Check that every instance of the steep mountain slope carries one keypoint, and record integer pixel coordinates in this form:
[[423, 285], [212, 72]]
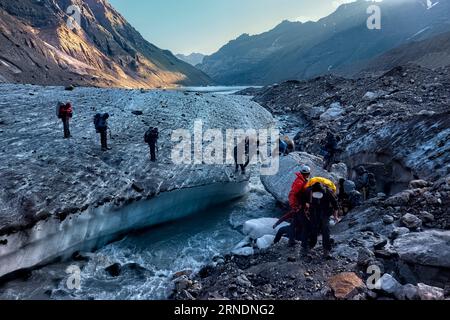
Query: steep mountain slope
[[295, 50], [193, 58], [36, 46], [431, 53]]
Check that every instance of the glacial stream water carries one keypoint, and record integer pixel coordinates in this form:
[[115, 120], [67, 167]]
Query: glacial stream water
[[151, 257]]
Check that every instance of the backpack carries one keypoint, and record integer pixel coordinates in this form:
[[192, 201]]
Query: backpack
[[100, 122], [325, 182], [151, 135], [59, 108], [64, 110]]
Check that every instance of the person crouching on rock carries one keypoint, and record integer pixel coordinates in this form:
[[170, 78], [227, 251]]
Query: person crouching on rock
[[65, 113], [294, 231], [101, 126], [320, 204], [151, 138]]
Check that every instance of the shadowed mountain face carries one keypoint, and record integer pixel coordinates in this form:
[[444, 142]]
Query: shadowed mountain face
[[295, 50], [36, 46], [430, 53]]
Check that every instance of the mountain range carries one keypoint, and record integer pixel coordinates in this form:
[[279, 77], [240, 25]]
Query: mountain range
[[193, 58], [38, 46], [338, 43]]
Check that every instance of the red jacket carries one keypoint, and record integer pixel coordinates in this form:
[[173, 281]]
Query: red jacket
[[298, 187]]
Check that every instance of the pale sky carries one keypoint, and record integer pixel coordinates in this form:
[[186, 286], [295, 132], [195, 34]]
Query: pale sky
[[186, 26]]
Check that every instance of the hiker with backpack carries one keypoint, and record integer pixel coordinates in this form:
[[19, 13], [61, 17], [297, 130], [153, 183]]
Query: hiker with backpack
[[294, 231], [366, 183], [151, 138], [65, 113], [320, 204], [101, 126], [330, 148]]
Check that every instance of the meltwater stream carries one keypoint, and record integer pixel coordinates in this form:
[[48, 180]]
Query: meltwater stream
[[150, 258]]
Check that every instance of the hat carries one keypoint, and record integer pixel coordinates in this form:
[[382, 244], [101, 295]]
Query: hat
[[305, 170]]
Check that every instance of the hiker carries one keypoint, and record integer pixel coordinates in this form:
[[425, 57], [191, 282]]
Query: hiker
[[283, 148], [372, 188], [320, 204], [101, 126], [330, 148], [151, 138], [348, 197], [65, 113], [366, 183], [295, 204], [244, 160]]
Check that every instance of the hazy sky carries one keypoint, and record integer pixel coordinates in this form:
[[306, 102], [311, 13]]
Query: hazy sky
[[185, 26]]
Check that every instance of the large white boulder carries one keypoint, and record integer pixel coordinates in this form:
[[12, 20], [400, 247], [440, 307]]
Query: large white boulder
[[245, 252], [279, 185], [265, 242], [258, 228]]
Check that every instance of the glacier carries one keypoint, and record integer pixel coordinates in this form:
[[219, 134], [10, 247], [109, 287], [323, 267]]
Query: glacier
[[61, 196]]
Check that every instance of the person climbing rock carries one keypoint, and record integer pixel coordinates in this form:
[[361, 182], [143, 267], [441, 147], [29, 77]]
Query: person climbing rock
[[101, 126], [286, 146], [295, 204], [348, 197], [242, 160], [283, 148], [320, 204], [65, 113], [330, 147], [151, 138]]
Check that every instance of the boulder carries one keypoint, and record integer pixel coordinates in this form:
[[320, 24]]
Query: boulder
[[419, 184], [400, 199], [426, 292], [265, 242], [427, 217], [346, 285], [428, 248], [387, 219], [245, 252], [279, 185], [407, 292], [182, 283], [258, 228], [340, 170], [247, 241], [411, 221], [371, 96], [335, 111], [365, 257], [388, 284], [399, 232]]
